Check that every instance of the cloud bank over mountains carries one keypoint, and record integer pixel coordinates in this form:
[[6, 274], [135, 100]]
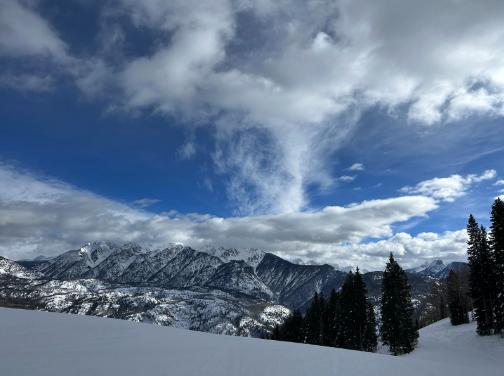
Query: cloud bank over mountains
[[39, 215]]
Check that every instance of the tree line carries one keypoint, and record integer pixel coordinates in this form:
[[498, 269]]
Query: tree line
[[449, 297], [346, 319], [486, 278]]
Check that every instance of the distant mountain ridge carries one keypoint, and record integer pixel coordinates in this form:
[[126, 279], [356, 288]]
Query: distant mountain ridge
[[345, 269], [250, 272], [437, 268]]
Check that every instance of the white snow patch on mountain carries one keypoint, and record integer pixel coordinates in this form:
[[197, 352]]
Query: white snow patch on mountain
[[8, 267], [55, 344], [251, 256]]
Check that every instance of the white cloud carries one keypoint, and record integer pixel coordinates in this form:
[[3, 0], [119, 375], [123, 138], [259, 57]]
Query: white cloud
[[410, 251], [301, 79], [24, 33], [25, 82], [356, 167], [146, 202], [448, 189], [39, 215], [187, 151], [499, 182], [347, 178]]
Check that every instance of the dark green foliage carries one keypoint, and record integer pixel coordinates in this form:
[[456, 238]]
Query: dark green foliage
[[397, 330], [343, 320], [481, 278], [370, 341], [457, 302], [497, 245], [312, 321], [292, 329], [352, 313], [330, 319], [276, 333]]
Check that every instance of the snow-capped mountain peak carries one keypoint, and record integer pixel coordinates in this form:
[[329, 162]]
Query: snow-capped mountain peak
[[251, 256], [428, 268]]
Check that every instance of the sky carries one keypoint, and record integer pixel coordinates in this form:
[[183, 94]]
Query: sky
[[334, 131]]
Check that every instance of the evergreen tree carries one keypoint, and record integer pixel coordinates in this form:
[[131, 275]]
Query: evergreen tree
[[481, 278], [370, 336], [397, 330], [297, 334], [351, 314], [276, 333], [497, 244], [312, 321], [456, 300], [331, 319], [344, 337]]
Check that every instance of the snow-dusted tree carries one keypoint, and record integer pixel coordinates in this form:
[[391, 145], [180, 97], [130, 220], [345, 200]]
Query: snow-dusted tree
[[497, 245], [397, 330]]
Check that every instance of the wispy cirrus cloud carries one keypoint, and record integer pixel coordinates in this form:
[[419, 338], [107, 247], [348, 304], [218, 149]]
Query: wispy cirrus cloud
[[144, 202]]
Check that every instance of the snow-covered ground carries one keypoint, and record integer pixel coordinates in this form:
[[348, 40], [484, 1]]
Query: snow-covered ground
[[42, 343]]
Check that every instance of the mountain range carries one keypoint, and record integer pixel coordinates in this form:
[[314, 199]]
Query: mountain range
[[232, 291]]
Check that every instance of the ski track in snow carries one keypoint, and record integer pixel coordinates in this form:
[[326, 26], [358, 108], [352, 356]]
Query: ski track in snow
[[43, 343]]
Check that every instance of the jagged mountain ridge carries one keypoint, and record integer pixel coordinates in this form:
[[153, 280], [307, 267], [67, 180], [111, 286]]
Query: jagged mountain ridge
[[247, 271], [437, 268]]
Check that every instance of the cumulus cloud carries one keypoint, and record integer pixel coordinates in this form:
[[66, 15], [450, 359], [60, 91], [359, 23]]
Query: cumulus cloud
[[300, 78], [499, 182], [356, 167], [410, 251], [39, 215], [448, 189]]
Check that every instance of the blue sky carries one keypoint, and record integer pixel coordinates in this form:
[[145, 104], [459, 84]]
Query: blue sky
[[237, 123]]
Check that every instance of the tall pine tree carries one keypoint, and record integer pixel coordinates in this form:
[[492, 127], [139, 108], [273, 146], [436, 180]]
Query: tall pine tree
[[370, 336], [312, 321], [331, 319], [351, 314], [481, 278], [497, 245], [397, 330], [456, 300]]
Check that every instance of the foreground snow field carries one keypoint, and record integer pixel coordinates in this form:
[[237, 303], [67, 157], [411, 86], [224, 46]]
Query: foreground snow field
[[42, 343]]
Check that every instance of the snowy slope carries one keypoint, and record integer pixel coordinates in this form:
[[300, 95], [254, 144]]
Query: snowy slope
[[40, 343], [444, 343], [9, 268]]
